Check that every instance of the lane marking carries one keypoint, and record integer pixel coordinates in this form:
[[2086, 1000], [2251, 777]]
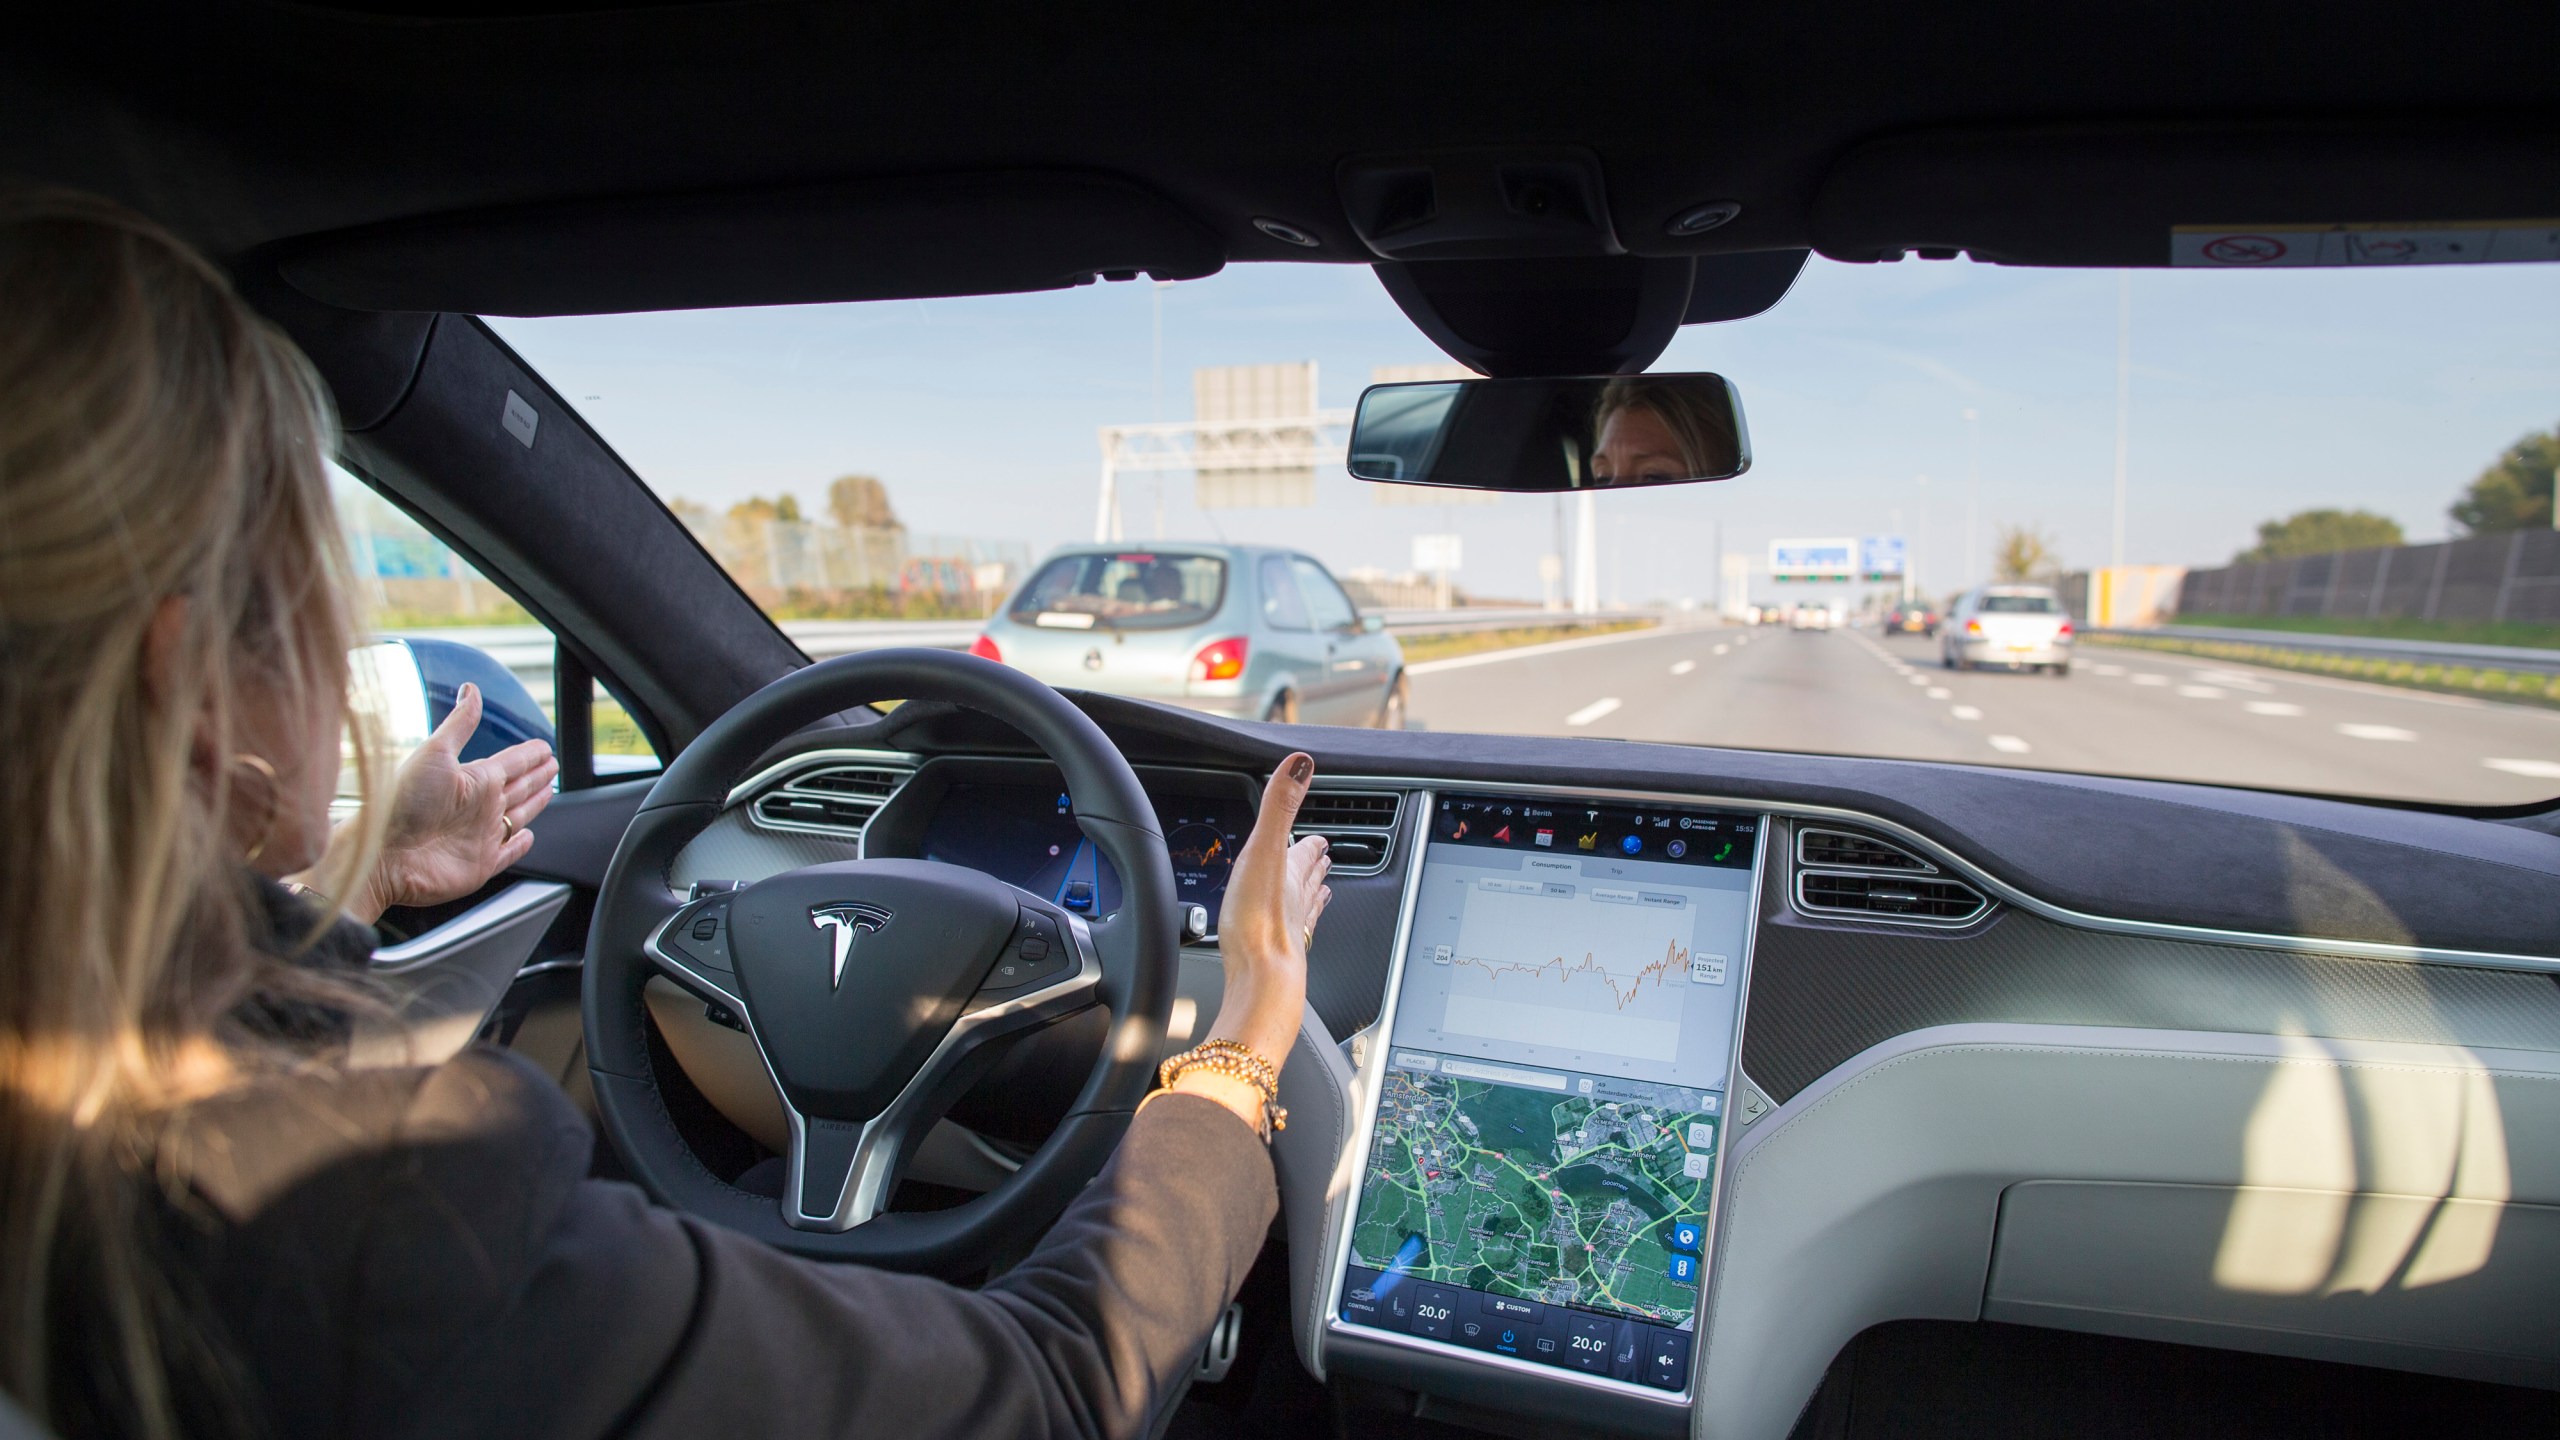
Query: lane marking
[[2234, 680], [2009, 745], [1606, 704], [1966, 712], [2537, 769], [1917, 679], [2106, 669], [2147, 678], [1685, 666], [1722, 648], [1939, 692], [2354, 731], [1551, 647], [2199, 692], [2272, 707]]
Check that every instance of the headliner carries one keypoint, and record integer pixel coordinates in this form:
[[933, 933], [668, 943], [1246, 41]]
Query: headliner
[[390, 161]]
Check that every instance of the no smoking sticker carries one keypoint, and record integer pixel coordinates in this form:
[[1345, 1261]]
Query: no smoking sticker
[[2227, 247]]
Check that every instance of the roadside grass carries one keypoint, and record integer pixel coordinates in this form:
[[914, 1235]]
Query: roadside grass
[[2450, 632], [1421, 648], [2484, 683]]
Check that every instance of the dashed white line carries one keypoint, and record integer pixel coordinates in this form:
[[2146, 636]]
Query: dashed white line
[[1966, 712], [2536, 769], [1917, 679], [2272, 707], [2199, 692], [1723, 648], [1939, 692], [2009, 744], [2147, 678], [1605, 705], [2355, 731], [1685, 666], [2106, 669]]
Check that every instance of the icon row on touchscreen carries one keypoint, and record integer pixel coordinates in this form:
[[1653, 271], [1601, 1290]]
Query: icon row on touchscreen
[[1594, 1344]]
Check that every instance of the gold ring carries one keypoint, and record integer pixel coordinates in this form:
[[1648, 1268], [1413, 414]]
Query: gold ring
[[506, 829]]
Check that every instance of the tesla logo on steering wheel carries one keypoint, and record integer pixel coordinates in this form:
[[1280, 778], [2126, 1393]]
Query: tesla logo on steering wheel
[[847, 921]]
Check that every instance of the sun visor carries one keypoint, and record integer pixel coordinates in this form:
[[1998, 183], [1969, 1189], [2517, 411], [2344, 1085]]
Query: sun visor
[[913, 237], [2160, 196]]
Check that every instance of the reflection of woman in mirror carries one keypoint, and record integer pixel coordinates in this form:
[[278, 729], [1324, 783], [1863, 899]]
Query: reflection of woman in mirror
[[1654, 430]]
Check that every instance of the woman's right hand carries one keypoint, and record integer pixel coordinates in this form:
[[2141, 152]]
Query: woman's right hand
[[1274, 896]]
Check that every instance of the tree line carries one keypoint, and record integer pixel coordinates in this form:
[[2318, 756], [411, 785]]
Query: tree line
[[2513, 493]]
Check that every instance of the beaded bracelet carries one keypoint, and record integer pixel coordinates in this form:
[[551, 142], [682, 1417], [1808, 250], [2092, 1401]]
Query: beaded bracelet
[[1235, 1060]]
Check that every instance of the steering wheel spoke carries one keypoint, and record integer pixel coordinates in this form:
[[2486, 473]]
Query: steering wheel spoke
[[691, 947]]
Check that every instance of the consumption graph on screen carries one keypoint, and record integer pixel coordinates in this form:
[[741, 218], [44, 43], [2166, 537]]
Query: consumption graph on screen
[[1584, 967]]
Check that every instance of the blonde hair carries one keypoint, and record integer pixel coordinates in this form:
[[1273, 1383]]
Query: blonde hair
[[158, 442]]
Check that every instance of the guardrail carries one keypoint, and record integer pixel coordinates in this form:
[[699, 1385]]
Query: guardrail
[[526, 649], [2512, 659]]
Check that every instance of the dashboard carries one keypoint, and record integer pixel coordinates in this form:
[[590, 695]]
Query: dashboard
[[1627, 1103]]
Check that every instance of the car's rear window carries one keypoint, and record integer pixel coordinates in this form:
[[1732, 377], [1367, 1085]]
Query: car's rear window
[[1130, 589], [2020, 605]]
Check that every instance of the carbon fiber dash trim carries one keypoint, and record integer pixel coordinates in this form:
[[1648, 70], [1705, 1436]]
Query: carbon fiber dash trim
[[1820, 993]]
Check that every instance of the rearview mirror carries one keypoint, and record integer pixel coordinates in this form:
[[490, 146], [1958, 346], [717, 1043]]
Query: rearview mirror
[[1600, 432]]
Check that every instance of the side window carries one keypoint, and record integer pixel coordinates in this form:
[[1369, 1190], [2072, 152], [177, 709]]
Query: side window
[[1326, 604], [436, 622], [1282, 606]]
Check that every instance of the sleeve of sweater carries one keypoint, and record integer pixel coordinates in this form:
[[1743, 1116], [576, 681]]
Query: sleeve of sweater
[[1081, 1339]]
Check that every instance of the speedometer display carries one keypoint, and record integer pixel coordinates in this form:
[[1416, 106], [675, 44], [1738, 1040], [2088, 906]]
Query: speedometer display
[[1027, 835]]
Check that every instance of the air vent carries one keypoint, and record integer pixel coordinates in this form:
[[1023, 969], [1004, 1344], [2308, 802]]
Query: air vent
[[836, 800], [1841, 850], [1360, 825], [1889, 897]]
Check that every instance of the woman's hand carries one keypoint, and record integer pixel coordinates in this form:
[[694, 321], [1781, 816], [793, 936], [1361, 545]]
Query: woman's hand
[[1274, 896], [454, 825]]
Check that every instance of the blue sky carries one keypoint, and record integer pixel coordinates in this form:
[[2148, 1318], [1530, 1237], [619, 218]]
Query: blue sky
[[2254, 394]]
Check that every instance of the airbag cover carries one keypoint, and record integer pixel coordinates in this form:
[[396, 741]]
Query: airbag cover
[[918, 937]]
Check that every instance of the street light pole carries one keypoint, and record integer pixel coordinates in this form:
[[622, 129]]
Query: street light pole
[[1972, 495]]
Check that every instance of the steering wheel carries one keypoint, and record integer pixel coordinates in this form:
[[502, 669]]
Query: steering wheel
[[871, 986]]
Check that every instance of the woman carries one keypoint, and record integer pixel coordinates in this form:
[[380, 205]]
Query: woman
[[1660, 430], [211, 1224]]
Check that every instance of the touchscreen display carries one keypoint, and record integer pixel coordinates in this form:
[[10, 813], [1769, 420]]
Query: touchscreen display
[[1548, 1130]]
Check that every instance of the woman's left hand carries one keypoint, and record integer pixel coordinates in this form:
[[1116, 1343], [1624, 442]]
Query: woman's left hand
[[456, 824]]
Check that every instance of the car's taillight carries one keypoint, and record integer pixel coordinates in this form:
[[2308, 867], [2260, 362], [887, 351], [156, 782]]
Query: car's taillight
[[984, 647], [1219, 660], [1973, 627], [2065, 631]]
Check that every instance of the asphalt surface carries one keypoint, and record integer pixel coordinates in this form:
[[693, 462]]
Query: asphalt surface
[[2119, 712]]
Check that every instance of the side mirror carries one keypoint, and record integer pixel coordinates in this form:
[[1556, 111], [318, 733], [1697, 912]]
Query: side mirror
[[1373, 624], [410, 685], [1605, 432]]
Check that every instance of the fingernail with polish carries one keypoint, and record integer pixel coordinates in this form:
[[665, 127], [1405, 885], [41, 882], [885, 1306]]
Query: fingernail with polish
[[1301, 769]]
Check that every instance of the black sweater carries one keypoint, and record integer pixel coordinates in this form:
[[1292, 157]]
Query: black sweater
[[421, 1253]]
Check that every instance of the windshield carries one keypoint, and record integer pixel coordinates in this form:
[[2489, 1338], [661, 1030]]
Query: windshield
[[2281, 510], [1130, 590]]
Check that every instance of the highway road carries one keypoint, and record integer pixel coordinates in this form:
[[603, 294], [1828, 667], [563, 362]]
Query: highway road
[[2120, 712]]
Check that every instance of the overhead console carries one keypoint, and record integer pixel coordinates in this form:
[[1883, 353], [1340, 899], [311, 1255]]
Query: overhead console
[[1541, 1128]]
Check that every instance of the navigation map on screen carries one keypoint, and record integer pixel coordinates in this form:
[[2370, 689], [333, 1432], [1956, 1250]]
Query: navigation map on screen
[[1545, 1145]]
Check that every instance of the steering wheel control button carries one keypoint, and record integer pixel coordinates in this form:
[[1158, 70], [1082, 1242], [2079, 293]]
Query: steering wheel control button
[[698, 936]]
